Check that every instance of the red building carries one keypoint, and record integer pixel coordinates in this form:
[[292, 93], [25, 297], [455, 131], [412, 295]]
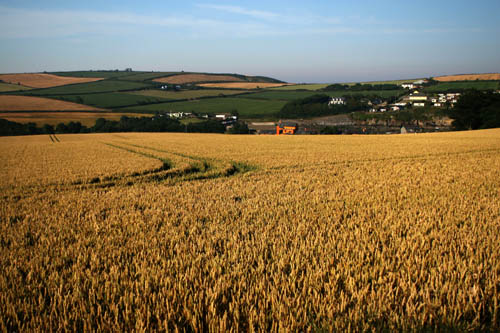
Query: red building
[[286, 128]]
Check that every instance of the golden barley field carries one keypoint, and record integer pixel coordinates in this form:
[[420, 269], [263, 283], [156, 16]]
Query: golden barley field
[[200, 232]]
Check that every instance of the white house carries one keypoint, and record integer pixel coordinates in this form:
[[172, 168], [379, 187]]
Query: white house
[[407, 85], [336, 101], [420, 104], [225, 116]]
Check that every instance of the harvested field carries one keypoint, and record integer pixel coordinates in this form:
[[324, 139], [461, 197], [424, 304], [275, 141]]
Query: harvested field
[[44, 80], [190, 78], [468, 77], [28, 103], [242, 85], [54, 118]]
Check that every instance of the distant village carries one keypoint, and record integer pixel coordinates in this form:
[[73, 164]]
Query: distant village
[[417, 99], [344, 123]]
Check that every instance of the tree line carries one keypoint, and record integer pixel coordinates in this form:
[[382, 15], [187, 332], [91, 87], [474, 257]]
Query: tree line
[[125, 124]]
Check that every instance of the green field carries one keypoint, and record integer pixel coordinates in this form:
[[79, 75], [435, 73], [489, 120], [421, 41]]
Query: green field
[[103, 74], [291, 95], [459, 85], [385, 82], [187, 94], [303, 87], [147, 76], [5, 87], [247, 108], [110, 100], [87, 88]]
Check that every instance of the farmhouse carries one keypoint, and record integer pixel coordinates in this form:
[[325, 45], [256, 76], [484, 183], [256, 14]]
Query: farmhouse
[[336, 101], [286, 128], [408, 85], [225, 116], [420, 104]]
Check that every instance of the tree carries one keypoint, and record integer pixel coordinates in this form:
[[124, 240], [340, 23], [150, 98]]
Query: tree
[[61, 128], [74, 127], [239, 128], [476, 109], [48, 129]]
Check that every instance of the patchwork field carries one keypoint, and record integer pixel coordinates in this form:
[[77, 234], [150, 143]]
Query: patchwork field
[[110, 74], [242, 85], [43, 80], [111, 100], [247, 108], [91, 87], [287, 95], [468, 77], [457, 86], [53, 118], [146, 76], [28, 103], [5, 87], [312, 86], [188, 94], [193, 78], [183, 232], [317, 86]]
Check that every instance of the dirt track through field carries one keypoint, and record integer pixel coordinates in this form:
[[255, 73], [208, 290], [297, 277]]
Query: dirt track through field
[[44, 80], [28, 103], [468, 77]]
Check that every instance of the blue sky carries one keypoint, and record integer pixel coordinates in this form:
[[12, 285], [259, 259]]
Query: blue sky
[[296, 41]]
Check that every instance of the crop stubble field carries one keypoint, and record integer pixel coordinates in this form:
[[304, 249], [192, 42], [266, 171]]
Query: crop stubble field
[[35, 80], [215, 232], [468, 77], [28, 103]]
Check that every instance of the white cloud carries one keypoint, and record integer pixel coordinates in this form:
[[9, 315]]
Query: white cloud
[[26, 23], [35, 23], [259, 14]]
